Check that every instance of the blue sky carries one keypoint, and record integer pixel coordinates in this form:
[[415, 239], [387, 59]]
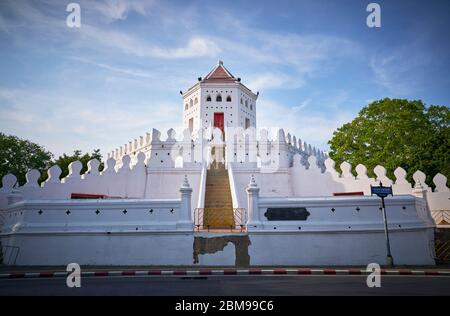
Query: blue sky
[[315, 64]]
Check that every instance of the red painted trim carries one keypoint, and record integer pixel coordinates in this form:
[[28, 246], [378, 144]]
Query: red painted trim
[[348, 193], [229, 271], [180, 272], [432, 273], [101, 273], [205, 271], [16, 275], [86, 196], [154, 272], [128, 272]]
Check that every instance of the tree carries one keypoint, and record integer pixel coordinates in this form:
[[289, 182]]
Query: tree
[[64, 161], [17, 156], [396, 133]]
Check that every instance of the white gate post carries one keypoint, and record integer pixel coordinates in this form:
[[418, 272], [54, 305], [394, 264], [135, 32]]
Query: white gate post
[[254, 222], [185, 221]]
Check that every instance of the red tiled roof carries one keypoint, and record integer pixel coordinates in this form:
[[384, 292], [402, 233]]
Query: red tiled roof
[[219, 74]]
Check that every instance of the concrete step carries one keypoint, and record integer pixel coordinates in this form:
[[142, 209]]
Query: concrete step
[[220, 186], [212, 187], [211, 192], [218, 211]]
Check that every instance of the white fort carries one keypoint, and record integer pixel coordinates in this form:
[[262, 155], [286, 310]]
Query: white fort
[[219, 100], [221, 193]]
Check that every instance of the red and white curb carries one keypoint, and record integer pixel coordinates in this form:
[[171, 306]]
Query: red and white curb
[[231, 271]]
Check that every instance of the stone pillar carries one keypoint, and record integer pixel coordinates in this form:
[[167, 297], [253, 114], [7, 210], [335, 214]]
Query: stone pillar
[[185, 220], [254, 221]]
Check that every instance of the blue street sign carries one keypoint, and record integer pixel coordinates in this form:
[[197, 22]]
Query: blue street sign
[[381, 191]]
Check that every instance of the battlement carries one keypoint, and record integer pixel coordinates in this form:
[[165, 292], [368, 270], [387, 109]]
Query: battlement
[[243, 147]]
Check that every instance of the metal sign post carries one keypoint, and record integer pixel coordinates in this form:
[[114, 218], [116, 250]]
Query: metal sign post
[[383, 192]]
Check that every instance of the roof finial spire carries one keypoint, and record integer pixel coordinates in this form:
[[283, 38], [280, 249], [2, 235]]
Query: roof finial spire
[[220, 62]]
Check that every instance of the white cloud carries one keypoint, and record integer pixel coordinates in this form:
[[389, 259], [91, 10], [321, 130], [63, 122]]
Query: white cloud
[[195, 47], [315, 129], [301, 106], [113, 10], [64, 123], [399, 71], [276, 60], [269, 80], [301, 54], [30, 19], [119, 70]]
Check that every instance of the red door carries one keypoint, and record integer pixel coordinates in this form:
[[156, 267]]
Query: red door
[[218, 121]]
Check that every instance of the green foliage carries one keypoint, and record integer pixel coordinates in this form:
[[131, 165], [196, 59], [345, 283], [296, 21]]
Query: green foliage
[[64, 161], [396, 133], [17, 156]]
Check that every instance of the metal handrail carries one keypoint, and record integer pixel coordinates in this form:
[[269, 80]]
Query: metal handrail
[[239, 219], [198, 217]]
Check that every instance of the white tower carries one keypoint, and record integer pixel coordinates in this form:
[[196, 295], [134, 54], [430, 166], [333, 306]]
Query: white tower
[[219, 100]]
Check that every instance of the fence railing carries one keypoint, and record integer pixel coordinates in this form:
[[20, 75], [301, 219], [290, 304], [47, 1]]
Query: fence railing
[[207, 219], [442, 249], [9, 254], [240, 218]]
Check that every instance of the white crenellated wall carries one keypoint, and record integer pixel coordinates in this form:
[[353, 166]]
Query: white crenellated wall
[[103, 231], [312, 182], [244, 148], [339, 230], [283, 165]]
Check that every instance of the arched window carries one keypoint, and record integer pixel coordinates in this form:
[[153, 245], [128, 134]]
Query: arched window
[[195, 101], [242, 101], [208, 98], [219, 98], [228, 98], [251, 107], [246, 103], [186, 106], [191, 103]]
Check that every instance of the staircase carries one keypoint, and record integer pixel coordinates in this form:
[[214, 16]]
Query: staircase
[[218, 210]]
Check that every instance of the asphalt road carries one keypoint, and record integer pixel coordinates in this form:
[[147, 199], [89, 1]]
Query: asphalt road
[[231, 285]]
